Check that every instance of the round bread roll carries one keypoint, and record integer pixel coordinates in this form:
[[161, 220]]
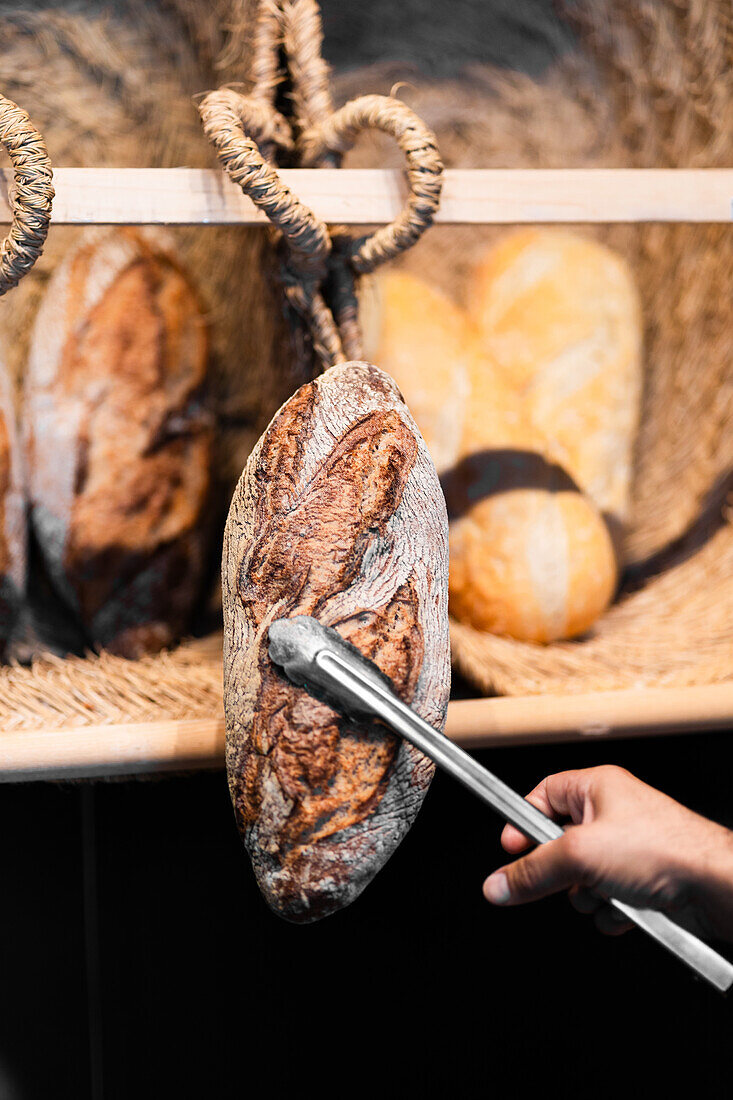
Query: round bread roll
[[530, 555], [559, 316]]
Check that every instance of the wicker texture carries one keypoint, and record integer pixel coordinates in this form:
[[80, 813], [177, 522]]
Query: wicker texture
[[639, 83], [30, 197], [102, 689]]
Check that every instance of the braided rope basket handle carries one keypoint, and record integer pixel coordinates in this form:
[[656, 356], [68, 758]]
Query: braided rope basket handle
[[246, 132], [237, 125], [30, 196], [240, 127], [338, 133]]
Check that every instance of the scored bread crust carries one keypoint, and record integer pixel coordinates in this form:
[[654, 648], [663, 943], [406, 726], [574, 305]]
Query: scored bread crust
[[338, 515]]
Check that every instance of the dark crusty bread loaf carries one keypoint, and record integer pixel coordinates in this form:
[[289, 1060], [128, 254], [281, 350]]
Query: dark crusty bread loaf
[[118, 440], [13, 535], [338, 515]]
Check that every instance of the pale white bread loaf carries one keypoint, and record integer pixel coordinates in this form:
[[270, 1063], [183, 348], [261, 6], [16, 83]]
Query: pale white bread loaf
[[420, 337], [559, 316]]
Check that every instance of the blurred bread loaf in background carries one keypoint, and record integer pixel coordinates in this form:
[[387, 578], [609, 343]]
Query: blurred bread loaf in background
[[559, 316], [530, 555], [413, 331], [119, 441]]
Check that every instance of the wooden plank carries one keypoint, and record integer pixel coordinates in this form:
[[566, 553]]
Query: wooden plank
[[602, 715], [587, 195], [95, 751], [76, 752], [192, 196]]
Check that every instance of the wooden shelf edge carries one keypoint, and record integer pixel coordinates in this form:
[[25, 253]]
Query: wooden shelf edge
[[602, 715], [371, 196], [148, 748], [89, 752]]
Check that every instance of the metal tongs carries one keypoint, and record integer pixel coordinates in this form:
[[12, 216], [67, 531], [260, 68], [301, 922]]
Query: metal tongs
[[316, 657]]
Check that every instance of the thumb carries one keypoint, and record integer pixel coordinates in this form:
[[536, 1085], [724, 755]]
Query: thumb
[[546, 870]]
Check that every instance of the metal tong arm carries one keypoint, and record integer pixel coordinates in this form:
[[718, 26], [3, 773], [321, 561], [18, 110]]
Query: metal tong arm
[[347, 679]]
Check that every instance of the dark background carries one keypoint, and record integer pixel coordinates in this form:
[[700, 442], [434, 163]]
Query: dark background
[[137, 952]]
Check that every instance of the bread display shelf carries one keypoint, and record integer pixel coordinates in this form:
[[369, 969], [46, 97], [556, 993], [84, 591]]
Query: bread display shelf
[[96, 751], [192, 196], [33, 748]]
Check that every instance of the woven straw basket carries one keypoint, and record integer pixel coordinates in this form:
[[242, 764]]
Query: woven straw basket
[[622, 83]]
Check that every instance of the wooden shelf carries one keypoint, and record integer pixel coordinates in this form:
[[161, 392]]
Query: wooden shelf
[[189, 196], [74, 752], [186, 196]]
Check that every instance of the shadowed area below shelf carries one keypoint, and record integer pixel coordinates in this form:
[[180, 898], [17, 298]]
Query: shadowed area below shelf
[[188, 960]]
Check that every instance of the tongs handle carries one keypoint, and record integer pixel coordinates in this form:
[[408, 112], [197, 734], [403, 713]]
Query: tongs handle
[[351, 686]]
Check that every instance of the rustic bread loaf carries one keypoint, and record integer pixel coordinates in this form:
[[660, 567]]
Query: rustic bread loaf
[[13, 538], [559, 316], [338, 515], [530, 556], [119, 441]]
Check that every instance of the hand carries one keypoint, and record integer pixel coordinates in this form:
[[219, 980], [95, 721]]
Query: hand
[[627, 841]]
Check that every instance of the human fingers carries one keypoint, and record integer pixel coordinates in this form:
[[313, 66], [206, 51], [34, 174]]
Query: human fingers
[[607, 919], [557, 796], [512, 839], [610, 922], [548, 869], [584, 900]]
